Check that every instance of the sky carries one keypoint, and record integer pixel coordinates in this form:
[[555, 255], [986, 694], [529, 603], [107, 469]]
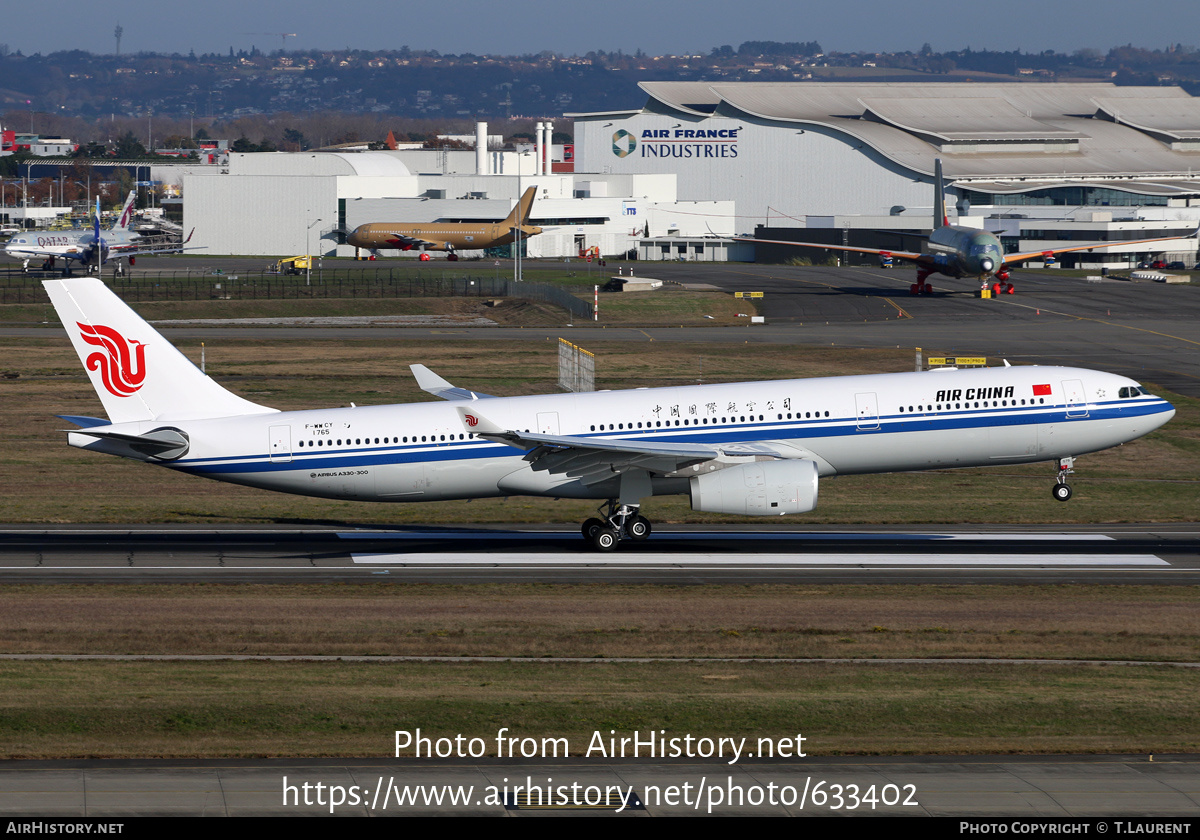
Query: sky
[[571, 27]]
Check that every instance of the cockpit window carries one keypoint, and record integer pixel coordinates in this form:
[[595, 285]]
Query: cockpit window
[[1134, 391]]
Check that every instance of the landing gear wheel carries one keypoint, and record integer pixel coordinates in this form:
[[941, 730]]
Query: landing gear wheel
[[1062, 492], [638, 527], [604, 538], [927, 289], [914, 289], [590, 526]]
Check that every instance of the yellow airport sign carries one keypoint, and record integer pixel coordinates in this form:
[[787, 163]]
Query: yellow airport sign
[[958, 361], [747, 294]]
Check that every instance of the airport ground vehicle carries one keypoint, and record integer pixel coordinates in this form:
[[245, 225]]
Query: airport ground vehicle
[[294, 265]]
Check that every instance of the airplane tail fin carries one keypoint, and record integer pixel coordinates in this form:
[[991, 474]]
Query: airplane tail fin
[[126, 218], [137, 373], [940, 219], [520, 213]]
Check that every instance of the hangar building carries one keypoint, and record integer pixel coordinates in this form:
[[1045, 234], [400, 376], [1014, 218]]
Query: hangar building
[[1054, 161], [280, 204]]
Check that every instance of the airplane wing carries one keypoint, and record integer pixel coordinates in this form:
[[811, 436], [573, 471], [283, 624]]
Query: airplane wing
[[431, 383], [1013, 259], [594, 459], [910, 256], [405, 242], [133, 249]]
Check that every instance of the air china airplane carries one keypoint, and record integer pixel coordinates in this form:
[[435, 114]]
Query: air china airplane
[[751, 448]]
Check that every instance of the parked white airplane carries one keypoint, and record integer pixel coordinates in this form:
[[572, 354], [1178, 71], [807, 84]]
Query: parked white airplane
[[958, 251], [752, 448], [91, 249]]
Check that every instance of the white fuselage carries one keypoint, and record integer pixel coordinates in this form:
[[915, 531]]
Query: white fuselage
[[67, 245], [852, 424]]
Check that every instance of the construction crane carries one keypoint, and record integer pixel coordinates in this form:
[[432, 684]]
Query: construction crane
[[283, 36]]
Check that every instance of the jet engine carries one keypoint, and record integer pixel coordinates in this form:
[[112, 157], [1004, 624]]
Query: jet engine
[[92, 250], [763, 488]]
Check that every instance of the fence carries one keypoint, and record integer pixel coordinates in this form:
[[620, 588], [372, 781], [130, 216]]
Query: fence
[[368, 283]]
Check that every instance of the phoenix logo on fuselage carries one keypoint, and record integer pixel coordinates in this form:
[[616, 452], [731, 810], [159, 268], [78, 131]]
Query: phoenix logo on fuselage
[[122, 365]]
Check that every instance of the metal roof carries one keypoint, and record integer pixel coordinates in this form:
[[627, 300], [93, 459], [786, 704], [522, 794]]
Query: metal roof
[[979, 130], [1164, 188], [963, 118], [1174, 116]]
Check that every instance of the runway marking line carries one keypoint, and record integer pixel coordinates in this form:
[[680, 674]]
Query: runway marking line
[[766, 560], [866, 536]]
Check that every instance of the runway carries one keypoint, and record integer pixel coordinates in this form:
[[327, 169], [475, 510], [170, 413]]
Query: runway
[[672, 555], [1026, 794]]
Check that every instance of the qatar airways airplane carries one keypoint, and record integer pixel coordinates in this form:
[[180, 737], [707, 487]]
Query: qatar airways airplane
[[750, 448], [92, 249]]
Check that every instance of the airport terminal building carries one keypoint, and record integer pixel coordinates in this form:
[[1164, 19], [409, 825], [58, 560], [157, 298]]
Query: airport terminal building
[[1043, 163]]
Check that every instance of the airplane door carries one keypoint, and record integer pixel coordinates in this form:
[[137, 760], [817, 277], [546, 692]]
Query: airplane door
[[547, 422], [1075, 398], [280, 443], [868, 411]]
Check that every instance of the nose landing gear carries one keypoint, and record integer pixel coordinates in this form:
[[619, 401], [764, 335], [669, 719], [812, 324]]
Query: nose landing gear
[[1002, 286], [1062, 490]]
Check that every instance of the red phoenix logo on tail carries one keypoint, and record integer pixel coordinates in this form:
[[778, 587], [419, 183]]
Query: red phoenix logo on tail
[[471, 419], [122, 365]]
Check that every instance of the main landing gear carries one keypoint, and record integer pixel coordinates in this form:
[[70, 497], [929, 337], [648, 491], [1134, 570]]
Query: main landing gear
[[921, 287], [619, 522], [1062, 490]]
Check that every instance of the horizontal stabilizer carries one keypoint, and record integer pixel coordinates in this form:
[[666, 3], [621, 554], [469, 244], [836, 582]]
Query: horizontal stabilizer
[[83, 422], [160, 444], [431, 383]]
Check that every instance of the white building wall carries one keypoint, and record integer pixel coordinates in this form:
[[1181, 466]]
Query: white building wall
[[261, 214], [774, 173]]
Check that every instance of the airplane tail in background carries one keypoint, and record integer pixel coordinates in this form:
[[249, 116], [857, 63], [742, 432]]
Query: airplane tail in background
[[125, 220], [137, 373], [940, 219], [520, 213]]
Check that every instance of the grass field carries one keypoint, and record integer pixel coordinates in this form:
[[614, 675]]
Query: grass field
[[54, 709], [229, 709]]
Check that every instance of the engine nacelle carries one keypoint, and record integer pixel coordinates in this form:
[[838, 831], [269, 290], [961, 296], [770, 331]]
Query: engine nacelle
[[763, 488]]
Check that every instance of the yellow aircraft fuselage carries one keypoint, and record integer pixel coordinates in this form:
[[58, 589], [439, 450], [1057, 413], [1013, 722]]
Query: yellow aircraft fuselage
[[447, 236]]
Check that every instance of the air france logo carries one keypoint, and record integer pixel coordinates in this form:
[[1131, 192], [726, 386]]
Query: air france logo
[[122, 365], [623, 143]]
